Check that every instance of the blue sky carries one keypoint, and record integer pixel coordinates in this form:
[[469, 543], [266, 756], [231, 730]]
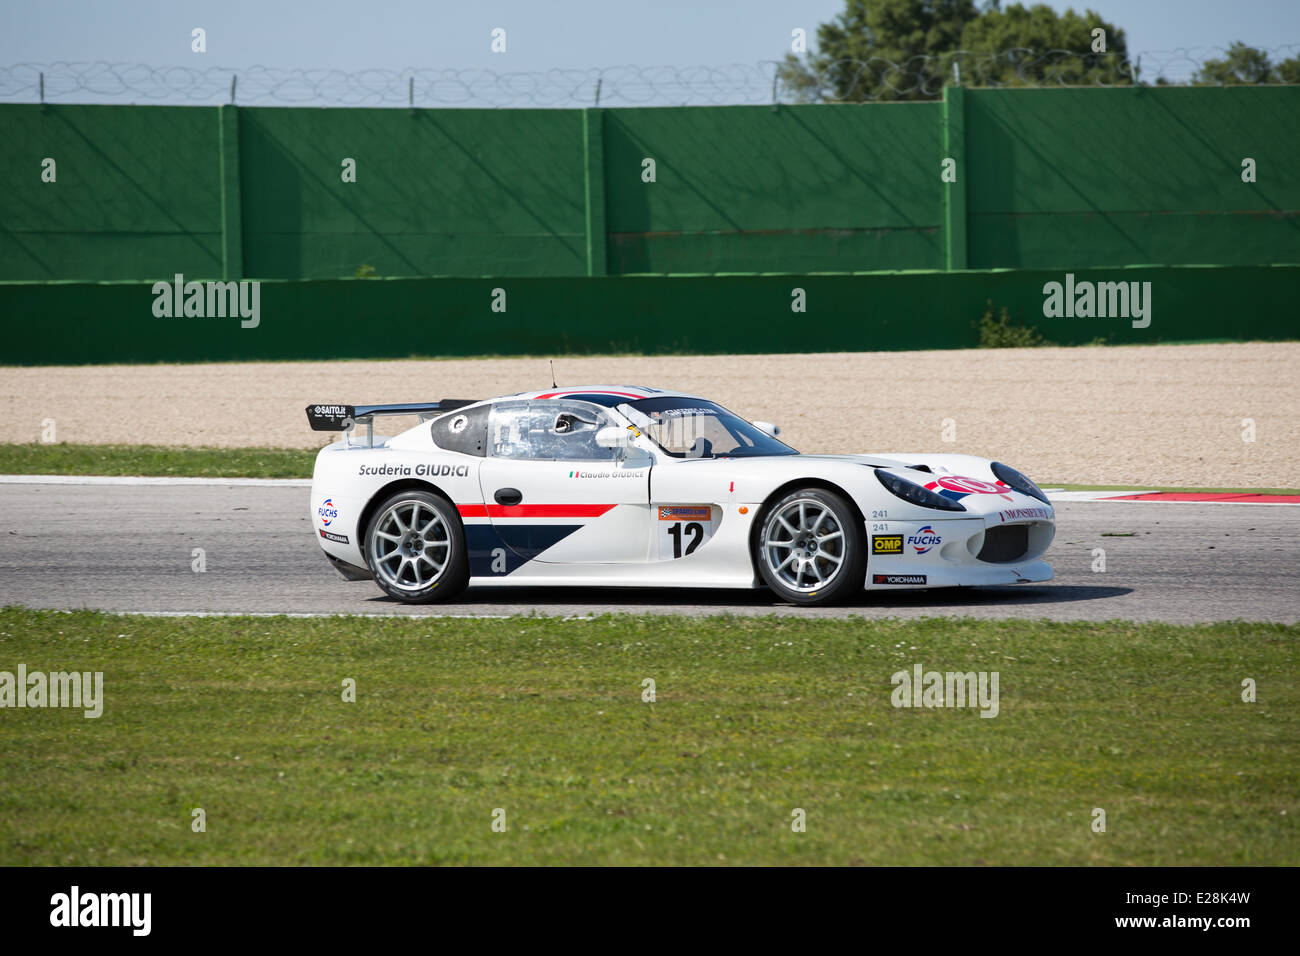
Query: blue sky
[[541, 34]]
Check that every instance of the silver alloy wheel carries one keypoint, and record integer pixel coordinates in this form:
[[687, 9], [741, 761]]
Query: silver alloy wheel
[[804, 547], [409, 552]]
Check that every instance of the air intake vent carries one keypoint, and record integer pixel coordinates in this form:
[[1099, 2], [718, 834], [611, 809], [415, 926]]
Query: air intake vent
[[1007, 543]]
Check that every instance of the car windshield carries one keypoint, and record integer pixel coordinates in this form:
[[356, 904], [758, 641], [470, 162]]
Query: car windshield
[[695, 428]]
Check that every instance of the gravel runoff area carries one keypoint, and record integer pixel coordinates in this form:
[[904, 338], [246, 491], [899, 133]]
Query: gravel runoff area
[[1159, 414]]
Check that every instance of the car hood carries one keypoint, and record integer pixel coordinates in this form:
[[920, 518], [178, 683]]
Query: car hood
[[965, 478]]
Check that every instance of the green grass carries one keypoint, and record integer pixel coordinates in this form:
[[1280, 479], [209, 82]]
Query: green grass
[[544, 718], [1239, 491], [156, 460]]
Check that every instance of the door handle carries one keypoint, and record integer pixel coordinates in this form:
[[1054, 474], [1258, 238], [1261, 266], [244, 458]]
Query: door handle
[[508, 496]]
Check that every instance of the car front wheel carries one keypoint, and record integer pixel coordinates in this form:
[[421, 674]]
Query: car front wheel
[[415, 547], [811, 549]]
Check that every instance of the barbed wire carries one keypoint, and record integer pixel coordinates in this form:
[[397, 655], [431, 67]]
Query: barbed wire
[[770, 81]]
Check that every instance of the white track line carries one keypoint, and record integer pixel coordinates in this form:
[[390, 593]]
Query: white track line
[[1092, 495], [129, 480], [310, 614], [1112, 495], [306, 483]]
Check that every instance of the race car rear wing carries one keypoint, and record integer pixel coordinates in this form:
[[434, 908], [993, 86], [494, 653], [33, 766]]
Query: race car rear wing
[[343, 418]]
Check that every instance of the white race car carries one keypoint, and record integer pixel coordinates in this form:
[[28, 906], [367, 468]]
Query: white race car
[[627, 486]]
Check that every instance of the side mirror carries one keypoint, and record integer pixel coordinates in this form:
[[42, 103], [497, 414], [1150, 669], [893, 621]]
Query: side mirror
[[768, 428], [611, 436]]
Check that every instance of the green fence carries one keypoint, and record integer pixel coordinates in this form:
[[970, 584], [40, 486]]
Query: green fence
[[1131, 176], [73, 322], [1055, 179]]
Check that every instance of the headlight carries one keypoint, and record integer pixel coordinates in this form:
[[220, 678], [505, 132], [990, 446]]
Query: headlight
[[917, 495], [1017, 481]]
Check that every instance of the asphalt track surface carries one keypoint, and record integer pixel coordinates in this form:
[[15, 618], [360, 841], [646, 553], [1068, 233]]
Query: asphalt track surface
[[128, 548]]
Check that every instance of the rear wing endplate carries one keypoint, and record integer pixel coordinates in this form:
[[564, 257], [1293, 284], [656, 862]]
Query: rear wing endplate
[[343, 418]]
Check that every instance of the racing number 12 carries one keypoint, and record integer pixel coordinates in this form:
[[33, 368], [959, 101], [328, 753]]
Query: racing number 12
[[694, 529]]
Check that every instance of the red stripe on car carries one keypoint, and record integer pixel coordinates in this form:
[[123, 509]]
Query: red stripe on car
[[588, 391], [532, 511]]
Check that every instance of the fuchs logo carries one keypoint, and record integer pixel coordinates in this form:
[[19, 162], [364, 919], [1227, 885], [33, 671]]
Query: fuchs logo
[[924, 540], [957, 487], [327, 512], [212, 300]]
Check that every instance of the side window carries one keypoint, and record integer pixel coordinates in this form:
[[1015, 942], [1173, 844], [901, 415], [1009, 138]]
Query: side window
[[571, 432], [549, 431], [513, 430]]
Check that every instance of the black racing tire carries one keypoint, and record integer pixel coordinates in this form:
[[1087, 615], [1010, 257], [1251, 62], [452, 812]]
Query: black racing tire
[[811, 548], [415, 547]]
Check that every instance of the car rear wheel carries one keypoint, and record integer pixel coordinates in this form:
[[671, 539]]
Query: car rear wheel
[[811, 548], [415, 548]]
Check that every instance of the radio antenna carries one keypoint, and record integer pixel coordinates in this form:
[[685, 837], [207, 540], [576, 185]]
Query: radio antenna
[[552, 361]]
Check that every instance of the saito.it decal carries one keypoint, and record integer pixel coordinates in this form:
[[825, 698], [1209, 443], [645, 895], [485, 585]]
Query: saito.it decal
[[958, 487]]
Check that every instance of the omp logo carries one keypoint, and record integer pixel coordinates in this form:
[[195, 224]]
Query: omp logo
[[1086, 300], [209, 300], [133, 910], [924, 540], [327, 512], [886, 544]]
